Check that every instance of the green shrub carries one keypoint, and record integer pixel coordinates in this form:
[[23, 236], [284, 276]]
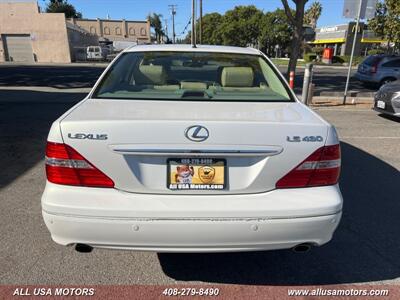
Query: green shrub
[[307, 49], [375, 51], [318, 50], [337, 60], [309, 57], [356, 59]]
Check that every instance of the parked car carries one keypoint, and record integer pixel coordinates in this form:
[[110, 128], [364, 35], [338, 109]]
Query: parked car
[[379, 69], [96, 53], [387, 99], [188, 149]]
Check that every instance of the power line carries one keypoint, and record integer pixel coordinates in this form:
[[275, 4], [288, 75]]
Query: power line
[[187, 25]]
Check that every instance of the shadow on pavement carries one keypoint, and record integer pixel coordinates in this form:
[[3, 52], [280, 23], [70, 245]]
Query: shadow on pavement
[[25, 120], [389, 117], [50, 76], [365, 247]]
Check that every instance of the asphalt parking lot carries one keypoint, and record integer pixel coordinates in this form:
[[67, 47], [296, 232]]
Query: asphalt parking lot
[[364, 249], [328, 80]]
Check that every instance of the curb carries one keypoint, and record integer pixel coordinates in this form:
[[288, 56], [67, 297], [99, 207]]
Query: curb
[[329, 102], [349, 94], [321, 67]]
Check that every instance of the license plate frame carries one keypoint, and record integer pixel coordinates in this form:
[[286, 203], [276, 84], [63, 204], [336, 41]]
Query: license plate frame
[[212, 177]]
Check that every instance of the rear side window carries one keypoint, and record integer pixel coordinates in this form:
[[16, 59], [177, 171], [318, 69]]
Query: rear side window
[[192, 76], [372, 60], [392, 64]]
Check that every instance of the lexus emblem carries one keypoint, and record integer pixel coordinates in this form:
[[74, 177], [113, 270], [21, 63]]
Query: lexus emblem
[[196, 133]]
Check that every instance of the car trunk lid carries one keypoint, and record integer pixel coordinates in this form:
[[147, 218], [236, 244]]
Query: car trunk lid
[[132, 140]]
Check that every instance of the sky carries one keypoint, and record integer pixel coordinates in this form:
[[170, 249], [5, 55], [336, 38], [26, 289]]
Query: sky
[[139, 9]]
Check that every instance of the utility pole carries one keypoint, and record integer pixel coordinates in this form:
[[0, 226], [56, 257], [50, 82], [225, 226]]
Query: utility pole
[[173, 7], [201, 23], [360, 5], [166, 28], [194, 23]]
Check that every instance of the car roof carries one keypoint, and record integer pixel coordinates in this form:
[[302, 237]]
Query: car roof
[[386, 56], [190, 48]]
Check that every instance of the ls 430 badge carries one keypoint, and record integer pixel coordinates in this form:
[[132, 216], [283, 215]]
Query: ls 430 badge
[[309, 138], [89, 136]]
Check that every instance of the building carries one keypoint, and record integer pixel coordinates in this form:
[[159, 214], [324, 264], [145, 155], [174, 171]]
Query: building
[[340, 37], [28, 35], [115, 30]]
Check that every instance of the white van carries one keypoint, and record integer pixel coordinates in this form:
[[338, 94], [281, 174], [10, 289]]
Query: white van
[[96, 53]]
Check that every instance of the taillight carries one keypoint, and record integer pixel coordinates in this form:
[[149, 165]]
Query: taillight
[[374, 67], [64, 165], [320, 168]]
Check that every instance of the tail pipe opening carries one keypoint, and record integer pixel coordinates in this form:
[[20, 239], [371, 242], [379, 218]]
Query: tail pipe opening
[[83, 248], [301, 248]]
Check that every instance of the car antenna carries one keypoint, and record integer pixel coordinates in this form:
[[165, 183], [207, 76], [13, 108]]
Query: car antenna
[[193, 24]]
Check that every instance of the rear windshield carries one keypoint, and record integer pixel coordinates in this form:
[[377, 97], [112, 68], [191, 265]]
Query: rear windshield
[[192, 76], [372, 60]]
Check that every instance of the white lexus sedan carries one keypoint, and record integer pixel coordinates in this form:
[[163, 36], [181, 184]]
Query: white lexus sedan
[[192, 149]]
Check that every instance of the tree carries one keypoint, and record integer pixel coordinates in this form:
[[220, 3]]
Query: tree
[[386, 23], [62, 6], [275, 31], [247, 25], [377, 24], [211, 33], [237, 27], [240, 26], [312, 14], [296, 21], [155, 23]]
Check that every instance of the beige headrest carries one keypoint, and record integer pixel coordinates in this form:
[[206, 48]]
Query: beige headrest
[[187, 85], [151, 74], [237, 77]]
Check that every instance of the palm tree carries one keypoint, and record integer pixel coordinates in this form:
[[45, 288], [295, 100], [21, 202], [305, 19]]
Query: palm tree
[[155, 23], [312, 14]]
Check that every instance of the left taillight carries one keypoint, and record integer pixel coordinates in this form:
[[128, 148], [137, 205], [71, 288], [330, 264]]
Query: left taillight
[[64, 165]]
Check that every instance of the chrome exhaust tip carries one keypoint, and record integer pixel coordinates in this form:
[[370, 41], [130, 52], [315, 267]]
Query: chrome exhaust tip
[[83, 248]]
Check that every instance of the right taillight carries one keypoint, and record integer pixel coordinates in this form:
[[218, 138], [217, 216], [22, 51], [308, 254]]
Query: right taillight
[[321, 168], [64, 165]]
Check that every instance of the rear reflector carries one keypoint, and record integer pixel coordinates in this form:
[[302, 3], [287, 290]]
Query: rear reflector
[[64, 165], [320, 168]]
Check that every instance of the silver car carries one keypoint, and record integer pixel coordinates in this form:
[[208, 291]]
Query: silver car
[[387, 99], [379, 69]]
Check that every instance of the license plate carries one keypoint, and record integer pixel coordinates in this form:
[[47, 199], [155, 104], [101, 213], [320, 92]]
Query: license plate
[[380, 104], [196, 173]]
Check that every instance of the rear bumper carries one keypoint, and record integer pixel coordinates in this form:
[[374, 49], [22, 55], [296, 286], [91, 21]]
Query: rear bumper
[[110, 218], [387, 112], [366, 77], [390, 107], [191, 235]]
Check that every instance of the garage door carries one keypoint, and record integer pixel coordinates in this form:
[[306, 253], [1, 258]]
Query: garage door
[[18, 48]]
